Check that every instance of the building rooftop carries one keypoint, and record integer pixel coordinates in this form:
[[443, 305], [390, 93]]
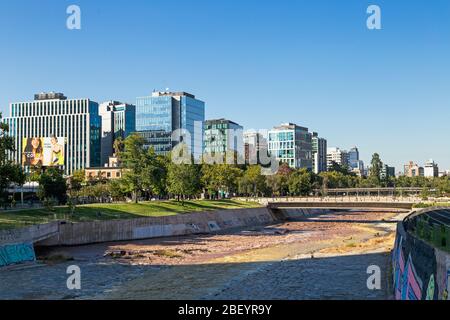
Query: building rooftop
[[50, 96], [172, 94], [289, 126], [222, 120]]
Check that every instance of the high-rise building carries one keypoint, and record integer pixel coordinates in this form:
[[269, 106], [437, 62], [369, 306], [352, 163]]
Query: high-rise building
[[445, 173], [387, 171], [55, 131], [319, 151], [413, 170], [431, 169], [255, 147], [118, 121], [338, 156], [221, 136], [353, 158], [291, 144], [165, 119]]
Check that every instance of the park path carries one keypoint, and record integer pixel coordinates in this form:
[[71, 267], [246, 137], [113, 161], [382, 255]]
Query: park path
[[321, 257]]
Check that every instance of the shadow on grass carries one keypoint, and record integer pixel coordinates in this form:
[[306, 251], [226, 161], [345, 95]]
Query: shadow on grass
[[120, 211]]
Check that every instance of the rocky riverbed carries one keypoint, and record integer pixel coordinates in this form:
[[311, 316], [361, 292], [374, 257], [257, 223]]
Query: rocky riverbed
[[319, 257]]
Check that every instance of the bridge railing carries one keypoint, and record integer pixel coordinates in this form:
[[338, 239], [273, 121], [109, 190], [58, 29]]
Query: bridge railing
[[343, 199]]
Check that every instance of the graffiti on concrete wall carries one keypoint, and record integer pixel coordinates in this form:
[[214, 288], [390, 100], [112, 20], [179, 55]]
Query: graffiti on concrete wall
[[398, 268], [420, 272], [430, 289], [16, 253], [412, 284]]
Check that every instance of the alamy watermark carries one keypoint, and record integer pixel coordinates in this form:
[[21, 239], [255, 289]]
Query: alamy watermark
[[74, 279], [374, 280], [374, 20], [187, 149], [74, 20]]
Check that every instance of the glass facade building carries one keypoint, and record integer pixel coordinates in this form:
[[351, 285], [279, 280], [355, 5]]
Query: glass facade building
[[118, 121], [223, 135], [77, 121], [319, 149], [353, 158], [291, 144], [163, 113]]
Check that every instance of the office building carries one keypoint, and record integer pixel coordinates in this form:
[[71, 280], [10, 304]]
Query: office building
[[353, 158], [413, 170], [165, 119], [118, 121], [111, 171], [431, 169], [338, 156], [319, 151], [55, 131], [255, 148], [291, 144], [387, 171], [221, 136]]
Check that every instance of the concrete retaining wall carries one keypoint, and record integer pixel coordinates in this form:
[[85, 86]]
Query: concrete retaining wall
[[301, 213], [16, 245], [29, 234], [420, 272], [135, 229]]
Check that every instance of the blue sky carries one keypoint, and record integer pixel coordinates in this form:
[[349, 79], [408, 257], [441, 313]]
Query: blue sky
[[257, 62]]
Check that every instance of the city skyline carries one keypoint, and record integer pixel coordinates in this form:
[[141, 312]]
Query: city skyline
[[383, 91]]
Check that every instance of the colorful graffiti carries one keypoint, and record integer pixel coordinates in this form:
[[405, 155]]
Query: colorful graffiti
[[414, 260], [16, 253], [430, 290], [411, 284], [398, 267]]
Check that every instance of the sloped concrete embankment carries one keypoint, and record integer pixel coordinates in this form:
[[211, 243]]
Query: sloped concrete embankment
[[71, 234], [17, 246], [420, 271]]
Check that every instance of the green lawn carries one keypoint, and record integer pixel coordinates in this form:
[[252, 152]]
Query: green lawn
[[97, 212]]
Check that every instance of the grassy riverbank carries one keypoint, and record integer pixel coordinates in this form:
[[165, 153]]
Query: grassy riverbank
[[97, 212], [430, 205]]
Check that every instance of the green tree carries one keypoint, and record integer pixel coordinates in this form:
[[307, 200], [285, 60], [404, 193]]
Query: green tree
[[142, 170], [278, 183], [77, 180], [52, 186], [336, 167], [376, 166], [183, 180], [220, 178], [10, 173], [252, 182], [117, 189], [301, 182]]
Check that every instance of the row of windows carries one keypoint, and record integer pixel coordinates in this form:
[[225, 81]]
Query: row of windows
[[73, 128], [49, 107]]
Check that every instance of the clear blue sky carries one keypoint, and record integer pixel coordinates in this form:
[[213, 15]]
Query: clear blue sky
[[257, 62]]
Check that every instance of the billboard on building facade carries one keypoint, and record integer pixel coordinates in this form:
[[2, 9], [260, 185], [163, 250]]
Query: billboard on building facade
[[45, 152]]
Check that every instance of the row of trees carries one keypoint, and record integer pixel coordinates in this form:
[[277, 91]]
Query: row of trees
[[147, 175]]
